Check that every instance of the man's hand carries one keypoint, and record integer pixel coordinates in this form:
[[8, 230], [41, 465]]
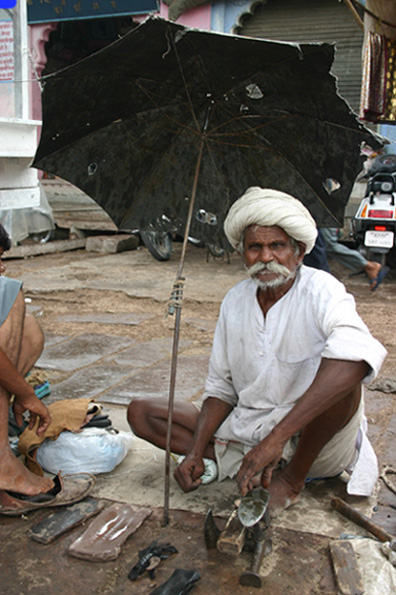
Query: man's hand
[[188, 473], [38, 411], [261, 458]]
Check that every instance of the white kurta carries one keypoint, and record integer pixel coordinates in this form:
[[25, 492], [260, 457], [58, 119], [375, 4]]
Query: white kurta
[[263, 365]]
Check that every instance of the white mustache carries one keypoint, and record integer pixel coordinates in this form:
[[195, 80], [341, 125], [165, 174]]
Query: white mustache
[[271, 267]]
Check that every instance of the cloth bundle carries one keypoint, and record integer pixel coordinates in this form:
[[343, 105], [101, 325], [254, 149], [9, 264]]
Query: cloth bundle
[[378, 96]]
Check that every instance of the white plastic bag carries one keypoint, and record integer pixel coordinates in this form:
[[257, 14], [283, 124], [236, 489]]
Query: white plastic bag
[[94, 450]]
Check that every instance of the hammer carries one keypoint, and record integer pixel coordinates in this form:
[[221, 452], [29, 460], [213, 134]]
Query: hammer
[[360, 519]]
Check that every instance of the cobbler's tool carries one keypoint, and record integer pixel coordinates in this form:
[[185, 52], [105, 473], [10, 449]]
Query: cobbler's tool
[[253, 506], [243, 526], [360, 519], [211, 531], [262, 547]]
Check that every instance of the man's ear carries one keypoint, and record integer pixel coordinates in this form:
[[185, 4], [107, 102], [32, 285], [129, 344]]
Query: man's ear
[[301, 251]]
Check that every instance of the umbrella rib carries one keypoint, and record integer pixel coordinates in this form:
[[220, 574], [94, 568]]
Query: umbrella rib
[[150, 96], [268, 144], [170, 38]]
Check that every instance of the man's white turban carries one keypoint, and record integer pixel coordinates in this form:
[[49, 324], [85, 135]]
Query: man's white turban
[[267, 207]]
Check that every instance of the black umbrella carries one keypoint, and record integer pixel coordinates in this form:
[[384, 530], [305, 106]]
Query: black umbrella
[[127, 123], [168, 126]]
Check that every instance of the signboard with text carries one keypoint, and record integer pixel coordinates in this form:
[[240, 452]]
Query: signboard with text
[[42, 11], [6, 51]]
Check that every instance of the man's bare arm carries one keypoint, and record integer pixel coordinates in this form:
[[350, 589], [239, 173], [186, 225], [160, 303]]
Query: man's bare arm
[[188, 473], [334, 380], [25, 397]]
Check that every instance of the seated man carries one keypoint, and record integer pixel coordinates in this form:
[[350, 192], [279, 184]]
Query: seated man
[[289, 355], [21, 344]]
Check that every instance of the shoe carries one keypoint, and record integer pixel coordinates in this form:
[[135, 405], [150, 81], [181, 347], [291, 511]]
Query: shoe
[[67, 490], [210, 472]]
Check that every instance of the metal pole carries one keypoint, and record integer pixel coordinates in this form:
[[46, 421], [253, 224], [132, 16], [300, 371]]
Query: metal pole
[[176, 304]]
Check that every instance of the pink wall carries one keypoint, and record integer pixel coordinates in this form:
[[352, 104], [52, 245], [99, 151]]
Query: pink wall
[[196, 17]]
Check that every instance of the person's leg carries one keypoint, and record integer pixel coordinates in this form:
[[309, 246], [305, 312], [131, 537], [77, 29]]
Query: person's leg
[[351, 259], [148, 419], [22, 340], [286, 485]]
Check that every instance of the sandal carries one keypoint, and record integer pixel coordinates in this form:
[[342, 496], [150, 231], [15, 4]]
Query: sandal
[[67, 490]]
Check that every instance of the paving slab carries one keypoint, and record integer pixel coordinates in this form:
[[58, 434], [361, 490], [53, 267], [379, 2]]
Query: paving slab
[[108, 318], [80, 351], [142, 355], [53, 339], [138, 274], [154, 382], [201, 324], [89, 382]]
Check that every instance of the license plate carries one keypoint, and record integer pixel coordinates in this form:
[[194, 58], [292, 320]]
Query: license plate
[[379, 239]]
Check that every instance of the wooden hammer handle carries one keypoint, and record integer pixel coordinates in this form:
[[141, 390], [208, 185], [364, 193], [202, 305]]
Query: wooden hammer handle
[[360, 519]]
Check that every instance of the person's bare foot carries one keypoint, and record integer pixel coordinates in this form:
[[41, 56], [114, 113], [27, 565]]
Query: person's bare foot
[[372, 269], [284, 492], [15, 477]]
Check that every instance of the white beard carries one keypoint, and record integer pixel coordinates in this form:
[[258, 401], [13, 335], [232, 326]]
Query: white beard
[[283, 274]]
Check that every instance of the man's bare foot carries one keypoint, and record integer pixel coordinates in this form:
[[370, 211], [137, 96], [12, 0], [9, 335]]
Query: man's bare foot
[[284, 492], [15, 477], [372, 269]]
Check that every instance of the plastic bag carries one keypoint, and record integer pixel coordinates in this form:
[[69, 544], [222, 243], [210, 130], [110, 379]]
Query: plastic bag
[[94, 450]]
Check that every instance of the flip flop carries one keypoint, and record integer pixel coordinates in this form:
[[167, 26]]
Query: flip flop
[[68, 489], [380, 277]]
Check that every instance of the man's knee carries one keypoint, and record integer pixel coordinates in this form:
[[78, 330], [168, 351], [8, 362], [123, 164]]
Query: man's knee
[[33, 335], [137, 414]]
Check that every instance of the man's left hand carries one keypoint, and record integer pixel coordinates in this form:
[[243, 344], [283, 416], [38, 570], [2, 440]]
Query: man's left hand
[[263, 458]]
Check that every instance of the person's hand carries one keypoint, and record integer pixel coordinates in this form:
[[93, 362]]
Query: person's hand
[[188, 473], [263, 458], [38, 411]]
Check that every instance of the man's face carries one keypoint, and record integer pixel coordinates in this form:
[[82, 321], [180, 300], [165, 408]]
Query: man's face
[[269, 256]]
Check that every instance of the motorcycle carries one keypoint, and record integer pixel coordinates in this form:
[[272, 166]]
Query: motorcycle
[[374, 224], [159, 244]]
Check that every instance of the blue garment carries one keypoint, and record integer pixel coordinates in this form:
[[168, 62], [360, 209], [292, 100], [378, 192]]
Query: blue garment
[[352, 259], [317, 258], [9, 289]]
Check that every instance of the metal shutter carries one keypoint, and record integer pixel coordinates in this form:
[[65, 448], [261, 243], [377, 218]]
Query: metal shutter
[[314, 20]]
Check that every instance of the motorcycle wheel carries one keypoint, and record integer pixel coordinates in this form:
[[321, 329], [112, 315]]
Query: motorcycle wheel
[[158, 243], [216, 251]]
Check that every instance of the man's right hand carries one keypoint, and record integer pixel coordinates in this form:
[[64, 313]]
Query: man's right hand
[[38, 411], [189, 472]]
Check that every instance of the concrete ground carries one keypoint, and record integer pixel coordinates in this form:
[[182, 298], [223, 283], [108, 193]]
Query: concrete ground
[[107, 338]]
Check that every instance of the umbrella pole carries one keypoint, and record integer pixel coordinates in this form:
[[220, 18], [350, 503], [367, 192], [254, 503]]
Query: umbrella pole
[[175, 305]]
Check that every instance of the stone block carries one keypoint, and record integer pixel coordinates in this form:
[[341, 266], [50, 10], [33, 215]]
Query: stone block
[[111, 244]]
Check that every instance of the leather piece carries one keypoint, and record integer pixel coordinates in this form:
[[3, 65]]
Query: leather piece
[[104, 537]]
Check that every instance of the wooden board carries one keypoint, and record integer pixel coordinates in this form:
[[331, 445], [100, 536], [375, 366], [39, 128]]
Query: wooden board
[[346, 570]]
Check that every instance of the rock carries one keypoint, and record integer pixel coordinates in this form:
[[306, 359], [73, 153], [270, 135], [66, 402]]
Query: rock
[[111, 244]]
